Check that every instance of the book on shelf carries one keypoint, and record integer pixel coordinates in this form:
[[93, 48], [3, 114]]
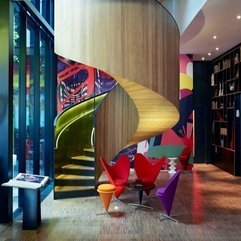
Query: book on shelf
[[25, 180]]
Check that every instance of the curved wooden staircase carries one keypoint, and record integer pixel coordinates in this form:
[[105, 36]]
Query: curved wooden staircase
[[137, 43]]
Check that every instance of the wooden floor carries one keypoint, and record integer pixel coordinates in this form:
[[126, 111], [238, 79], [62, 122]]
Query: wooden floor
[[207, 205]]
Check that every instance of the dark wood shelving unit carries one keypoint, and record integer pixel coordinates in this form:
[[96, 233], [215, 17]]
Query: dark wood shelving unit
[[225, 105]]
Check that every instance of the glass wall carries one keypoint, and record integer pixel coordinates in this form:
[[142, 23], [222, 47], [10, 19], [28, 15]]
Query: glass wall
[[45, 8], [15, 91], [30, 118], [34, 97], [16, 59], [43, 79]]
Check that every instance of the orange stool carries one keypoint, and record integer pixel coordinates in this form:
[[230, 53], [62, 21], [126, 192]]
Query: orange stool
[[106, 192]]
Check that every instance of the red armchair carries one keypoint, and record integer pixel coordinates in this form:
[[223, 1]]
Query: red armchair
[[118, 173], [184, 157], [146, 170]]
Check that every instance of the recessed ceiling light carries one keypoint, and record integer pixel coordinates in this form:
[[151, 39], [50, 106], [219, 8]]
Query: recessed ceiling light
[[203, 58], [217, 48], [214, 37], [239, 17], [209, 54]]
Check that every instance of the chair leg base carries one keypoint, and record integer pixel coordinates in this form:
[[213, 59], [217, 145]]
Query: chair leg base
[[136, 205], [103, 213], [117, 200], [150, 197], [187, 171], [164, 216]]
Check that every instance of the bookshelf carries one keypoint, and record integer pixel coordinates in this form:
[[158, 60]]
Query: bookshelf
[[225, 106]]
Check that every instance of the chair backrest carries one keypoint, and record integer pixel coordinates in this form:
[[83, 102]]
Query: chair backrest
[[107, 168], [165, 150], [185, 156], [146, 170], [118, 173], [167, 193]]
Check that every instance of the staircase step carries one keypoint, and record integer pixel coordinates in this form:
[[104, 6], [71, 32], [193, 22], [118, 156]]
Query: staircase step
[[78, 167], [89, 151], [74, 180], [73, 169], [73, 191], [83, 160], [73, 188]]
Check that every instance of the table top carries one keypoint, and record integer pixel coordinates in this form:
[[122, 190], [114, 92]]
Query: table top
[[172, 158], [140, 186]]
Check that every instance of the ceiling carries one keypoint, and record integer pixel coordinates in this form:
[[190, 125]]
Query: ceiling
[[219, 18]]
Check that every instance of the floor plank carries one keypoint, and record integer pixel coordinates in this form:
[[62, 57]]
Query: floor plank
[[207, 205]]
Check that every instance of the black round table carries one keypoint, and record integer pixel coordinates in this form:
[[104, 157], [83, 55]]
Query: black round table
[[140, 186]]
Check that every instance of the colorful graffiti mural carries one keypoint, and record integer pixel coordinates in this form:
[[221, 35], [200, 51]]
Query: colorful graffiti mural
[[77, 82], [182, 132]]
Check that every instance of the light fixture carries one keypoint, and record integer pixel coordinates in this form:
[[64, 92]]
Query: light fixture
[[217, 48], [214, 36], [239, 17], [203, 58], [209, 54]]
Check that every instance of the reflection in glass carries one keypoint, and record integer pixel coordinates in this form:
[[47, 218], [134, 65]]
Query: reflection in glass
[[30, 100], [42, 102], [31, 59], [15, 103], [35, 3], [43, 10]]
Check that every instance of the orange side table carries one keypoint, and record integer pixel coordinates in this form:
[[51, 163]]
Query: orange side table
[[106, 192]]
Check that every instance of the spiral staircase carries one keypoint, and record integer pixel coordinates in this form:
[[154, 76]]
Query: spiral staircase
[[137, 43]]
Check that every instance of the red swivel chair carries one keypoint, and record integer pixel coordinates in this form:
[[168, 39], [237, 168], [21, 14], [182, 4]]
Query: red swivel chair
[[118, 173], [146, 170], [184, 157]]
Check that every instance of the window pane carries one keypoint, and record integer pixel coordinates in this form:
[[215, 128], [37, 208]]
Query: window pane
[[35, 3], [43, 9], [42, 102], [15, 104], [30, 100]]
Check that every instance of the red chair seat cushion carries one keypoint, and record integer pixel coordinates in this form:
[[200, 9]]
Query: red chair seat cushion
[[120, 182], [118, 173], [146, 170]]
